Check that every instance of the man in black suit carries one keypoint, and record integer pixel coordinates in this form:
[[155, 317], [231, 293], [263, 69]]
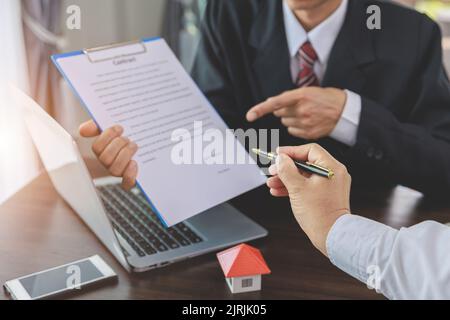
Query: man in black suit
[[384, 103], [378, 100]]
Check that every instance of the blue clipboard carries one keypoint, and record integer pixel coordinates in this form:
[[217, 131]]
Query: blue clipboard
[[88, 53]]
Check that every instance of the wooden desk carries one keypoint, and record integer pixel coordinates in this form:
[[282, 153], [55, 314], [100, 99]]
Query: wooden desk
[[38, 230]]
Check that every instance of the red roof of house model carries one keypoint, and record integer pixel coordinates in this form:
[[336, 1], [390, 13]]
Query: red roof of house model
[[242, 261]]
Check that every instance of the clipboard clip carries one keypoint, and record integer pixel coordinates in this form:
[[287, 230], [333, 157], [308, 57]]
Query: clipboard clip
[[90, 52]]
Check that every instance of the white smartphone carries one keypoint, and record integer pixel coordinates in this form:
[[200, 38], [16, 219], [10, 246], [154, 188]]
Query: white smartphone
[[60, 280]]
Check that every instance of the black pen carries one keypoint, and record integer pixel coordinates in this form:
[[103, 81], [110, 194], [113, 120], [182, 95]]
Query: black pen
[[306, 166]]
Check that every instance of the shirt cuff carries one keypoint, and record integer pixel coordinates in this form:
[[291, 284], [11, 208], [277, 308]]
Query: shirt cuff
[[351, 244], [346, 130]]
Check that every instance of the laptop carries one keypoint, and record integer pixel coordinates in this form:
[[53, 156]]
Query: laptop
[[124, 221]]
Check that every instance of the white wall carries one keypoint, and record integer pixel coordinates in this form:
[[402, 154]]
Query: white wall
[[104, 22]]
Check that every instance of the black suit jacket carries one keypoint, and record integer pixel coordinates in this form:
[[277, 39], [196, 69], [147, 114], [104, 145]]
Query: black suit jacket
[[404, 131]]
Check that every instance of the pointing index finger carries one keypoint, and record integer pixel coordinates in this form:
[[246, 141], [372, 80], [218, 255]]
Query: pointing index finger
[[272, 104]]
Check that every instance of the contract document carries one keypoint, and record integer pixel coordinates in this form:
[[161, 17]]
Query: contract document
[[187, 158]]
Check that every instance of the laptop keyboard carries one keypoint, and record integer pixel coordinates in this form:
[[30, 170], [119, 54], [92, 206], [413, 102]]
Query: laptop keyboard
[[133, 218]]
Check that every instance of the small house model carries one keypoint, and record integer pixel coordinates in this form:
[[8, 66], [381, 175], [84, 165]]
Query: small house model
[[243, 267]]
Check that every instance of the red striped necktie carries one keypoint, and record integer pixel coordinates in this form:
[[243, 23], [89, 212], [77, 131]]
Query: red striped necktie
[[307, 57]]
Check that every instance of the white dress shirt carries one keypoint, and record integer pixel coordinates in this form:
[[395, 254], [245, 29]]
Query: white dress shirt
[[322, 39], [411, 263]]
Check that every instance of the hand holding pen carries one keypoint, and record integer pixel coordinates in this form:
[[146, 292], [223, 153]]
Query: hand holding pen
[[316, 202]]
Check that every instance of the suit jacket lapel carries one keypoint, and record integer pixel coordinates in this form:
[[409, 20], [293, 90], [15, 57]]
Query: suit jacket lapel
[[352, 53], [272, 61]]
